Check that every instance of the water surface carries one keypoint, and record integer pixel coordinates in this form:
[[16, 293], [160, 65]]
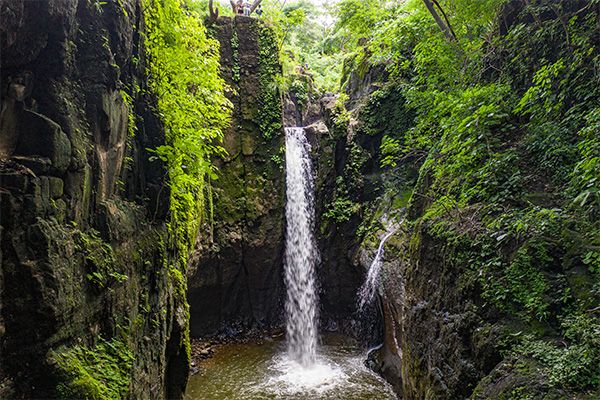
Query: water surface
[[257, 371]]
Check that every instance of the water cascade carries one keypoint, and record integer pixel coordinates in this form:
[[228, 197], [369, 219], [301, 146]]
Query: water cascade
[[367, 291], [300, 251], [263, 370]]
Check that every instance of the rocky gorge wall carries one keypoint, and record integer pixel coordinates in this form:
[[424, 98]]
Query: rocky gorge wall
[[460, 294], [235, 277], [88, 305]]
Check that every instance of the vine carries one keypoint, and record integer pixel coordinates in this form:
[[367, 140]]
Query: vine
[[269, 115], [235, 57], [184, 74]]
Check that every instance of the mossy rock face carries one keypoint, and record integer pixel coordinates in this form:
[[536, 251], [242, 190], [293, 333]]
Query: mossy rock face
[[236, 274], [83, 249], [499, 291], [99, 372]]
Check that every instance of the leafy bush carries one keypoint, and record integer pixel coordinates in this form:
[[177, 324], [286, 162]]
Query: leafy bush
[[268, 117], [184, 74], [576, 363], [101, 262], [507, 115]]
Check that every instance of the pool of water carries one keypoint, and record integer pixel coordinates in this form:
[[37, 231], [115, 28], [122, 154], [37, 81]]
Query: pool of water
[[256, 371]]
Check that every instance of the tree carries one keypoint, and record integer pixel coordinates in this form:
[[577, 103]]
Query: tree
[[443, 24], [213, 12]]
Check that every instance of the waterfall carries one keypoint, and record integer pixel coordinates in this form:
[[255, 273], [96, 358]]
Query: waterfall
[[301, 253], [366, 293]]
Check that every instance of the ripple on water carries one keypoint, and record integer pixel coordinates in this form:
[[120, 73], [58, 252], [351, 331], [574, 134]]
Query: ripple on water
[[291, 378], [253, 371]]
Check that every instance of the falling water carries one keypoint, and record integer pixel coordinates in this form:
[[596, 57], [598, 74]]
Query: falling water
[[261, 370], [300, 251], [367, 291]]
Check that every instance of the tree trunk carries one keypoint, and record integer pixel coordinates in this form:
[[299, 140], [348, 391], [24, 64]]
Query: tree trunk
[[213, 13], [254, 5], [446, 29]]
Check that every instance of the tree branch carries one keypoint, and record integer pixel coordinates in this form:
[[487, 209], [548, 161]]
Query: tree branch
[[254, 5], [445, 28], [445, 18], [212, 11]]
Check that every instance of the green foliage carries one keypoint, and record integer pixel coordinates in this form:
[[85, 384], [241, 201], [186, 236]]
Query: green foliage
[[94, 373], [509, 124], [386, 114], [575, 364], [586, 174], [269, 115], [303, 42], [131, 115], [525, 281], [301, 89], [184, 74], [342, 208], [357, 18], [100, 259], [347, 186], [235, 56]]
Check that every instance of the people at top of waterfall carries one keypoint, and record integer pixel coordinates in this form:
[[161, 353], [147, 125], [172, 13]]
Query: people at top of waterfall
[[246, 8], [258, 10]]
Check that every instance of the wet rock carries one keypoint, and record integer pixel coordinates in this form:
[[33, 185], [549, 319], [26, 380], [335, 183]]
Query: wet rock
[[80, 256], [56, 187], [236, 273], [41, 137]]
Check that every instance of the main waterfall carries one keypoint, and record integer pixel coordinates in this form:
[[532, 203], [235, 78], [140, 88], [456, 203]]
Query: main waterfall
[[242, 371], [301, 252]]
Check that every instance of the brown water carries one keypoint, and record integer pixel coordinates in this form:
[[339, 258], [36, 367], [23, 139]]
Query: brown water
[[257, 371]]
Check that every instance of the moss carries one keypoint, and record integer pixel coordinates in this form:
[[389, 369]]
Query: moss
[[180, 289], [99, 372], [103, 268], [386, 113], [269, 115], [235, 57]]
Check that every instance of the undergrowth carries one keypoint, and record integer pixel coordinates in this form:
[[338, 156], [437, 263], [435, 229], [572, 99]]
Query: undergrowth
[[184, 74]]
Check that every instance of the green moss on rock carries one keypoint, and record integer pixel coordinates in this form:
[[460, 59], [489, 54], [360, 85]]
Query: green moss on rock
[[269, 115], [99, 372]]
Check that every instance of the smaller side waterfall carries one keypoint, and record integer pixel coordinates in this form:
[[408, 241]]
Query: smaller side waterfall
[[367, 291], [301, 253]]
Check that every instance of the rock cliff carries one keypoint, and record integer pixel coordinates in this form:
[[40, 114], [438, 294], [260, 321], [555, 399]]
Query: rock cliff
[[236, 280], [475, 304], [84, 276]]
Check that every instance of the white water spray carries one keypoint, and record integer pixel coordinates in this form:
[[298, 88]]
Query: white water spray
[[301, 253], [366, 293]]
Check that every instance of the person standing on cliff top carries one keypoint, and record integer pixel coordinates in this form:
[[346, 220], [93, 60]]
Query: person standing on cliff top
[[246, 8]]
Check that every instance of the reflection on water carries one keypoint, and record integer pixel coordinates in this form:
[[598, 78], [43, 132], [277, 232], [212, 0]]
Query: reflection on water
[[256, 371]]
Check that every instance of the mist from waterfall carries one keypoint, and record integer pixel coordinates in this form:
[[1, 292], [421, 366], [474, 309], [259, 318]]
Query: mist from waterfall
[[301, 252], [367, 291]]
